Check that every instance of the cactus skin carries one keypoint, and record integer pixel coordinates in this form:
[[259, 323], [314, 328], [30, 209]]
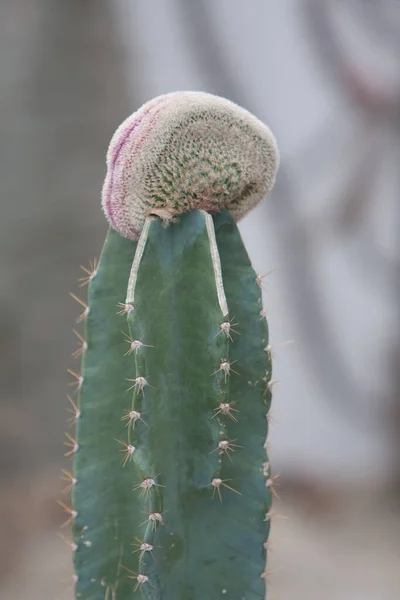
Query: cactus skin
[[206, 545], [171, 485]]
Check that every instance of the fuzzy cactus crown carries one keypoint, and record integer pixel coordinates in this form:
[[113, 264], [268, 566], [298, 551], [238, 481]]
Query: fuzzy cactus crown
[[184, 151]]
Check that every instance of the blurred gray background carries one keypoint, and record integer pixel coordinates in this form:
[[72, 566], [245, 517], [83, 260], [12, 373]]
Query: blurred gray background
[[325, 76]]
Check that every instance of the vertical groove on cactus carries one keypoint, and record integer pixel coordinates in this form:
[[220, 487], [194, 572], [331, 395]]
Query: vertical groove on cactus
[[136, 262], [216, 264]]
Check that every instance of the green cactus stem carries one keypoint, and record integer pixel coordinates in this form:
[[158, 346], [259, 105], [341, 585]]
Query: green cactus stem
[[171, 484]]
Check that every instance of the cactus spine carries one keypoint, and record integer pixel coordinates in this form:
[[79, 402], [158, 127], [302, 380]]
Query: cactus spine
[[171, 486]]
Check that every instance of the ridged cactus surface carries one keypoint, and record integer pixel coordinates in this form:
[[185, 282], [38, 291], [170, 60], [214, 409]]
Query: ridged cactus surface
[[102, 495], [171, 486]]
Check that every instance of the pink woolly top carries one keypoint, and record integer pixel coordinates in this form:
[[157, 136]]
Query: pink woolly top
[[185, 151]]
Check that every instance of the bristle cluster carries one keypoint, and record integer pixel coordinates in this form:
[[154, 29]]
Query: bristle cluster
[[185, 151]]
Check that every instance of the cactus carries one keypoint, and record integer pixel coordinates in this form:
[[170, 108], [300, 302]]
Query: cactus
[[171, 484]]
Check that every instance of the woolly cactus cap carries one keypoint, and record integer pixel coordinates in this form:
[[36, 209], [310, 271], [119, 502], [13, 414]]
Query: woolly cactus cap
[[184, 151]]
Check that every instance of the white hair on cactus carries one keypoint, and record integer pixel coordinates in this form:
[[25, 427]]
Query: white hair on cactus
[[185, 151]]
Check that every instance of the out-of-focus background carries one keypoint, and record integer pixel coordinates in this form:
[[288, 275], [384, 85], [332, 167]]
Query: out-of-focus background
[[325, 76]]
